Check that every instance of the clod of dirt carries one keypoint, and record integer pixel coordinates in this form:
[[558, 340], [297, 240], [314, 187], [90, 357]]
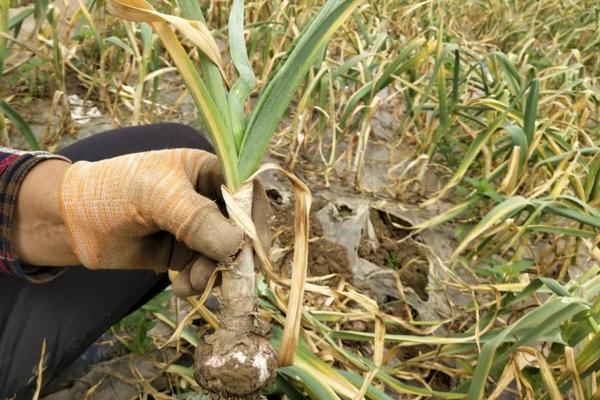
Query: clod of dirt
[[326, 257], [235, 363]]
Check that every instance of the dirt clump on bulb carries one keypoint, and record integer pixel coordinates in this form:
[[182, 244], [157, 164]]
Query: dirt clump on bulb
[[235, 363]]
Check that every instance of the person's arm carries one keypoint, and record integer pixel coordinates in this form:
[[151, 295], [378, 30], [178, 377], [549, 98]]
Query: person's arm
[[39, 234], [15, 166], [152, 210]]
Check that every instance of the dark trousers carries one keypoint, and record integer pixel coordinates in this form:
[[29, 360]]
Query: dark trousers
[[76, 308]]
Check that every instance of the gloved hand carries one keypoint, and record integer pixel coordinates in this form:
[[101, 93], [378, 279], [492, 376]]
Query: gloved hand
[[155, 210]]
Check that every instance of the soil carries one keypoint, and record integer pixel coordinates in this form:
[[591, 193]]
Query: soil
[[327, 257], [324, 257], [396, 251]]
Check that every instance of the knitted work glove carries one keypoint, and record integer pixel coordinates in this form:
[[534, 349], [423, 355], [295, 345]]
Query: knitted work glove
[[194, 277], [154, 210]]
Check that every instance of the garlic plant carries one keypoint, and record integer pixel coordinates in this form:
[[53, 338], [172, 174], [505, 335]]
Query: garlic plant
[[236, 360]]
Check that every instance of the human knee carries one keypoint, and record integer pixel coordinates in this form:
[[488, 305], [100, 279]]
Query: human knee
[[182, 135]]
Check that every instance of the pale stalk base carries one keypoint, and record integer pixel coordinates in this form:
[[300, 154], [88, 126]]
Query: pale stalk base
[[236, 361]]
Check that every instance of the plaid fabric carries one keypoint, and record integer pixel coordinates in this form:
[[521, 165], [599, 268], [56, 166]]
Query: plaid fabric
[[14, 165]]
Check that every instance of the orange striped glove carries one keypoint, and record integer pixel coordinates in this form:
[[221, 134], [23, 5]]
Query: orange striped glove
[[154, 210]]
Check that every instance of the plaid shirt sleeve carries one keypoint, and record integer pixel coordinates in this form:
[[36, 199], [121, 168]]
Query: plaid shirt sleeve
[[14, 165]]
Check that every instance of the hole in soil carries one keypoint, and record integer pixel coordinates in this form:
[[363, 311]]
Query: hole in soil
[[344, 211], [275, 196], [391, 251], [440, 381]]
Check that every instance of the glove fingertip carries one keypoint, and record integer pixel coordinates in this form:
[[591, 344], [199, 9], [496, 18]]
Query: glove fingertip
[[200, 273], [225, 239], [181, 286]]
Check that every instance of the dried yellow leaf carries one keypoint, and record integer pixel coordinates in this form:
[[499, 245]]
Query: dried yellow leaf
[[194, 31]]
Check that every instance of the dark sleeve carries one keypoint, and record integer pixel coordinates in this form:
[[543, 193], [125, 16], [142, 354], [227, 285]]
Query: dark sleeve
[[14, 165]]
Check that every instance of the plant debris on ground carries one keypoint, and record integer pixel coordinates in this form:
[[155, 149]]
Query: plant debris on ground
[[452, 151]]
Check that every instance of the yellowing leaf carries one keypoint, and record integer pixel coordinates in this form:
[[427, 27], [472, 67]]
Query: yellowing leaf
[[195, 31]]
